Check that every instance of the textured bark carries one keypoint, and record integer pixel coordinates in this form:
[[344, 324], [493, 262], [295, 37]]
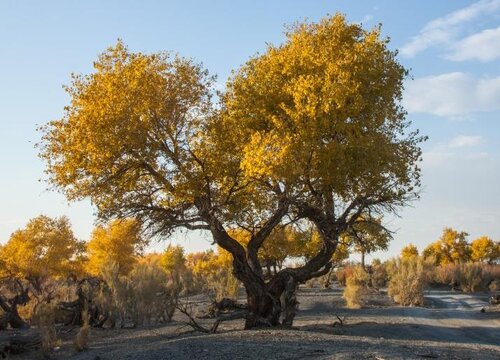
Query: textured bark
[[9, 306]]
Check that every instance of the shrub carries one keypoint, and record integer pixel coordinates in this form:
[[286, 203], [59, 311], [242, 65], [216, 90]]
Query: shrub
[[378, 275], [115, 297], [44, 318], [446, 275], [470, 276], [155, 296], [343, 273], [215, 273], [407, 282], [145, 296], [82, 337], [494, 285], [356, 288], [391, 267]]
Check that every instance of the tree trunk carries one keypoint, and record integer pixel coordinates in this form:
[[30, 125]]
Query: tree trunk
[[328, 277], [363, 260], [273, 306], [10, 308], [264, 310]]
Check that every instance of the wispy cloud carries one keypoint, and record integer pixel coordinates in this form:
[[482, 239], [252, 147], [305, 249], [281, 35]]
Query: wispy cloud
[[458, 148], [461, 141], [483, 46], [436, 157], [453, 94], [445, 29], [477, 155], [366, 19]]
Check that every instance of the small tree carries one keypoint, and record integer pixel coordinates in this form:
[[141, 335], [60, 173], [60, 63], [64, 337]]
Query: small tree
[[368, 235], [451, 248], [486, 250], [119, 242], [46, 247], [409, 251]]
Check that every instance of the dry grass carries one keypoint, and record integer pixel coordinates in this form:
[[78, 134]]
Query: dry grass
[[378, 275], [468, 277], [44, 319], [407, 282], [81, 341]]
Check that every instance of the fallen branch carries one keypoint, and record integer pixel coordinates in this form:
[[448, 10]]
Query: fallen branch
[[340, 322], [186, 309]]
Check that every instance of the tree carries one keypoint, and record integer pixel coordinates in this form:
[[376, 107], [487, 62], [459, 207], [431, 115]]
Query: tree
[[451, 248], [368, 235], [484, 249], [118, 242], [409, 251], [311, 130], [173, 259], [214, 271], [46, 247]]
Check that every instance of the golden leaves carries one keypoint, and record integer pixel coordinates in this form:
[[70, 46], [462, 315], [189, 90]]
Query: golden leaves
[[45, 247]]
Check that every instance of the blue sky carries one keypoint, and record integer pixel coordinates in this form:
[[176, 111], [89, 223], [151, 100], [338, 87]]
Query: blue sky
[[451, 47]]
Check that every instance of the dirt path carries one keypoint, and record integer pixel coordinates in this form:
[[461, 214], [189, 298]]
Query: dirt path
[[452, 327]]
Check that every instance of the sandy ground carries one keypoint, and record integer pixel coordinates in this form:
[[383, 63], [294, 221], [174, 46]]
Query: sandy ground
[[450, 327]]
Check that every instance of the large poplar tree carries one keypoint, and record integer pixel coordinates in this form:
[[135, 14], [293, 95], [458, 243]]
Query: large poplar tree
[[309, 131]]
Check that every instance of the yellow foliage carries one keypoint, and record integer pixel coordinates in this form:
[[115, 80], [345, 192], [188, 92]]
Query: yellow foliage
[[128, 125], [320, 112], [409, 251], [119, 242], [485, 250], [173, 259], [215, 272], [356, 288], [45, 247], [451, 248]]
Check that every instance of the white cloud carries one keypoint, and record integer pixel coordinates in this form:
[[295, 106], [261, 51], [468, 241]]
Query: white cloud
[[436, 157], [483, 46], [477, 155], [453, 95], [445, 29], [367, 18], [461, 141]]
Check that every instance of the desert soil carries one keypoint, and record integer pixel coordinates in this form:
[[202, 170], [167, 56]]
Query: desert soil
[[451, 326]]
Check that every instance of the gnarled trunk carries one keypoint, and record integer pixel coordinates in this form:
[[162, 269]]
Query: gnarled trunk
[[9, 306], [275, 305]]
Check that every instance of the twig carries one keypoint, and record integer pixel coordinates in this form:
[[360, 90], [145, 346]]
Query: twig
[[340, 322]]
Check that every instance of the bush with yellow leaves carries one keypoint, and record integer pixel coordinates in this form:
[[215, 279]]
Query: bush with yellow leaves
[[356, 288]]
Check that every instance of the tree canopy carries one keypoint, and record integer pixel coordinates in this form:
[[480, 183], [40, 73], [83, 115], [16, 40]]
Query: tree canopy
[[309, 131], [119, 242], [451, 248], [485, 249], [45, 247]]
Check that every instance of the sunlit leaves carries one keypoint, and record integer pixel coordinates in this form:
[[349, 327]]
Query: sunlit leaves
[[322, 111], [119, 242], [45, 247]]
